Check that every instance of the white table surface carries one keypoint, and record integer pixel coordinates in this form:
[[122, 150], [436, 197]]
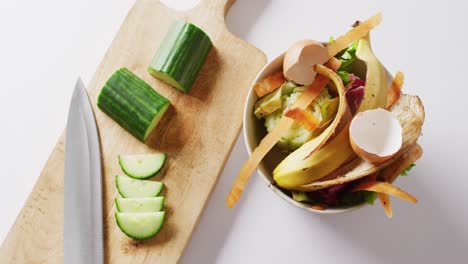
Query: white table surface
[[45, 45]]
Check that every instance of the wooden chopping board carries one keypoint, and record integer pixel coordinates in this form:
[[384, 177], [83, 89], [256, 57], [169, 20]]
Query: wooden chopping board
[[198, 139]]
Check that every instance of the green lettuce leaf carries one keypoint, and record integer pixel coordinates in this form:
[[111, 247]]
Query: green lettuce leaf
[[344, 76], [370, 197], [406, 171], [359, 197], [302, 197], [347, 58]]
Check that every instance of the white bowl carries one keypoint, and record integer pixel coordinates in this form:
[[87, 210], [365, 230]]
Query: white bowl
[[254, 130]]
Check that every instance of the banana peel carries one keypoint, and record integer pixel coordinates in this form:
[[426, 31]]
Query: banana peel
[[294, 160], [295, 171], [341, 113], [376, 89], [321, 156]]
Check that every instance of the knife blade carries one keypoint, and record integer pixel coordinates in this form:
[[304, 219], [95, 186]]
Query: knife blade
[[83, 224]]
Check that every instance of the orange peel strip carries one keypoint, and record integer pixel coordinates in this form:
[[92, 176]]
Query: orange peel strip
[[395, 89], [385, 201], [303, 117], [333, 63], [353, 35], [384, 187], [269, 84]]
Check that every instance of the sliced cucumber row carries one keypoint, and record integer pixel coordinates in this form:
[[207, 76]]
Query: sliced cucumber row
[[139, 213]]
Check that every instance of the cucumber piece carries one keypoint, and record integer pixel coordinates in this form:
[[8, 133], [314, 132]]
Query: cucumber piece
[[139, 205], [181, 55], [132, 103], [132, 188], [142, 166], [140, 226]]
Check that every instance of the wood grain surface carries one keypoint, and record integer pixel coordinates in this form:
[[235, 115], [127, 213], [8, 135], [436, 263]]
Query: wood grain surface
[[200, 132]]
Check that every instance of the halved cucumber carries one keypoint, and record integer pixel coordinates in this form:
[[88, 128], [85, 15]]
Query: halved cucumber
[[132, 103], [139, 205], [140, 225], [181, 55], [131, 188], [142, 166]]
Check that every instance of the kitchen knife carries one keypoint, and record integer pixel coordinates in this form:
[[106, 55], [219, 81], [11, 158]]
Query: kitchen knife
[[83, 224]]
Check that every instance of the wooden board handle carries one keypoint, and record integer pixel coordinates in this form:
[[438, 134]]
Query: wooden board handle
[[219, 7]]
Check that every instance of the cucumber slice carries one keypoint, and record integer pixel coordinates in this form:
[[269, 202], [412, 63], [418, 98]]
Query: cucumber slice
[[139, 205], [142, 166], [181, 55], [140, 225], [132, 103], [131, 188]]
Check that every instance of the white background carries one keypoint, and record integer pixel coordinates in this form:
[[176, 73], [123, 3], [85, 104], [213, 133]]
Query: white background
[[45, 45]]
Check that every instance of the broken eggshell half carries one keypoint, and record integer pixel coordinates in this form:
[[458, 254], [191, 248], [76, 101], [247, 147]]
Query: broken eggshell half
[[300, 58], [375, 135]]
